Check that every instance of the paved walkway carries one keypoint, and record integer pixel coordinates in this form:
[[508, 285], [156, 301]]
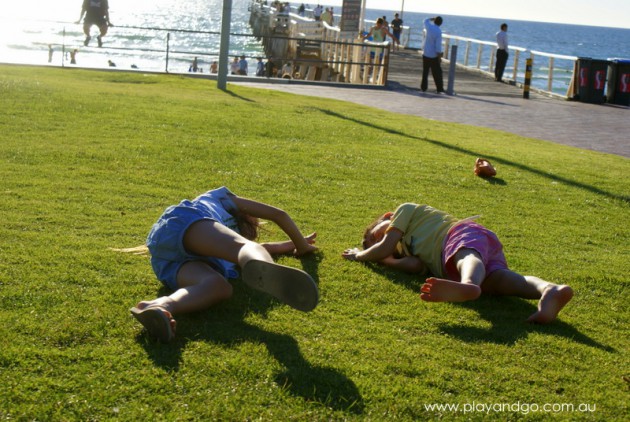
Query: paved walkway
[[480, 101]]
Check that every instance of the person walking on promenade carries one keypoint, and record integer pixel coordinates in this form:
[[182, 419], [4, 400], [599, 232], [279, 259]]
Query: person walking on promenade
[[242, 66], [463, 259], [195, 247], [432, 54], [396, 26], [502, 53], [96, 13]]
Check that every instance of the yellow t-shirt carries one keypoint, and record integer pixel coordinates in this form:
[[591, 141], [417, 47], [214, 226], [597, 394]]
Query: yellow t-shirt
[[424, 229]]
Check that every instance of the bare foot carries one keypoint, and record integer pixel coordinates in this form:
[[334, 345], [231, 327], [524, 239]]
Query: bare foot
[[552, 301], [440, 290], [158, 321]]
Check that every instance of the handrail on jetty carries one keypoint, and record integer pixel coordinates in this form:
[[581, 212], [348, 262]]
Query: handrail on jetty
[[481, 56], [316, 50]]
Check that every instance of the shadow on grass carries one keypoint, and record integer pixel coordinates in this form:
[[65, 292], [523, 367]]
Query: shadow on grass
[[240, 97], [550, 176], [225, 325], [507, 317]]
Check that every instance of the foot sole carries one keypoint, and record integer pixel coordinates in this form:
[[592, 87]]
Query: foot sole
[[289, 285], [156, 321]]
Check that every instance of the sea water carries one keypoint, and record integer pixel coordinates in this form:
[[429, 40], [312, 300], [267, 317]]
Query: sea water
[[146, 29]]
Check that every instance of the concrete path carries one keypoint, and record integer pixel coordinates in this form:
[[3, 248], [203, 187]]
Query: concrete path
[[480, 101]]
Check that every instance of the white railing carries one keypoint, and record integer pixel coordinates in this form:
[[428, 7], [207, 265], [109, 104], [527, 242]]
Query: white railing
[[549, 76]]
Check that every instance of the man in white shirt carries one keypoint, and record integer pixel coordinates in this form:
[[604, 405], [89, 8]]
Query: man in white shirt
[[502, 53], [432, 54]]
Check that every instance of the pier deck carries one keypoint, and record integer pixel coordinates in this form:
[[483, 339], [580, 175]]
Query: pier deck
[[480, 101]]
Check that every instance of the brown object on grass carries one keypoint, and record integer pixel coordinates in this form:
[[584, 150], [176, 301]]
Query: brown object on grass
[[483, 168]]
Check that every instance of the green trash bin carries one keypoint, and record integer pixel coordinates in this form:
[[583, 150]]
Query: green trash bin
[[591, 80], [618, 91]]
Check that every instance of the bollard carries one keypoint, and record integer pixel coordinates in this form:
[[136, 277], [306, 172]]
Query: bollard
[[528, 77], [451, 70]]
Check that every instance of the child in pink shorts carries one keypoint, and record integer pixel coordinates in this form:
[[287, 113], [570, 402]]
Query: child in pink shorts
[[463, 257]]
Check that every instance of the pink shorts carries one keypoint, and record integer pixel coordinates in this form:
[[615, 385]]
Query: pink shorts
[[470, 235]]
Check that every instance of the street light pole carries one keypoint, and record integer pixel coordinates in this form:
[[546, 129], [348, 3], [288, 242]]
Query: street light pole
[[225, 45]]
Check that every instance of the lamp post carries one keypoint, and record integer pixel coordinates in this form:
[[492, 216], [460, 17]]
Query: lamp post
[[225, 45]]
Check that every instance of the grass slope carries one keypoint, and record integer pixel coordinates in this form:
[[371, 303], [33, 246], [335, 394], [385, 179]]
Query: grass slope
[[89, 160]]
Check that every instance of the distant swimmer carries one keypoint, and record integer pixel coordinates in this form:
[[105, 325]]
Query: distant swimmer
[[96, 13]]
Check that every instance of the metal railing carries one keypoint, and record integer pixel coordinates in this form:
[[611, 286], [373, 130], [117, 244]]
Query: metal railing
[[552, 74]]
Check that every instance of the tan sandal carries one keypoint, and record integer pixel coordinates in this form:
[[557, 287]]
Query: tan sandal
[[289, 285], [158, 322], [483, 168]]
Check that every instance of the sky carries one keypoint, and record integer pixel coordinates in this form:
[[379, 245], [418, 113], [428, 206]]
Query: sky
[[610, 13]]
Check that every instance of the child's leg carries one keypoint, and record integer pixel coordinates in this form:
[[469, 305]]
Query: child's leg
[[209, 238], [472, 274], [200, 287], [553, 297], [290, 285]]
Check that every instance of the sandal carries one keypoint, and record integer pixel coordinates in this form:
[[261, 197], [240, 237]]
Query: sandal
[[483, 168], [158, 322], [289, 285]]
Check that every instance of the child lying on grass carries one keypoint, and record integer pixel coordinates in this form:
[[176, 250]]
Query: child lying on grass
[[196, 245], [465, 258]]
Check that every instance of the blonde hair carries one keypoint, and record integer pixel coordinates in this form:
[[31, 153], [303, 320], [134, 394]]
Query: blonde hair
[[136, 250]]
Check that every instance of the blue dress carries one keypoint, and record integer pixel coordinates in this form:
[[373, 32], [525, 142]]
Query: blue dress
[[165, 241]]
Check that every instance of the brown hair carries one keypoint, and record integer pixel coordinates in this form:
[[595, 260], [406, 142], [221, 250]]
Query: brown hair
[[368, 239], [248, 226]]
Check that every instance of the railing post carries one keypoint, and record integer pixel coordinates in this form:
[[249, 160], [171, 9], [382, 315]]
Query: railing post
[[550, 75], [468, 43], [63, 48], [479, 52], [515, 73]]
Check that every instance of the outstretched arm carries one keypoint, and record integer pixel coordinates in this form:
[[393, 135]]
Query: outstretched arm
[[377, 252], [281, 248], [301, 244]]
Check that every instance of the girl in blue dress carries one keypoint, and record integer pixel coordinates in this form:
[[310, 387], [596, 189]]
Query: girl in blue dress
[[195, 247]]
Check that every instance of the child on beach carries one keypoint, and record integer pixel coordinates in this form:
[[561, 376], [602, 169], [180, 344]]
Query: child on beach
[[464, 258], [196, 245]]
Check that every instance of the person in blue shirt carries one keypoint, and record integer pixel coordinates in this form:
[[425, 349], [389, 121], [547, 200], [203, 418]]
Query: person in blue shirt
[[196, 246], [432, 54]]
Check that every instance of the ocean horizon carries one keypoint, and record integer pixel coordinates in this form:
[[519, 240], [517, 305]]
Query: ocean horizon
[[26, 34]]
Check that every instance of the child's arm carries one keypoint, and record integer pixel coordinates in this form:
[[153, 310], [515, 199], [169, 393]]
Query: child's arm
[[281, 218], [409, 264], [280, 248], [378, 251]]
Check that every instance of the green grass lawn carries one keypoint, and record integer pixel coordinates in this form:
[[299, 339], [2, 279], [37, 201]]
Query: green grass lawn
[[89, 160]]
